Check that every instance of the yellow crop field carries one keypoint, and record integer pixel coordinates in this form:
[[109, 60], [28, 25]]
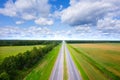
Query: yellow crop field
[[98, 61]]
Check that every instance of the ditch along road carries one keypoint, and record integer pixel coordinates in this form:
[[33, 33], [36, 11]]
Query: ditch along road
[[58, 70]]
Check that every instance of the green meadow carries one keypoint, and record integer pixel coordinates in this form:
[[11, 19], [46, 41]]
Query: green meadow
[[6, 51]]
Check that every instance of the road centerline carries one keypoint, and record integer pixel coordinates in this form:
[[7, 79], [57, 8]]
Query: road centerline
[[58, 69], [73, 73]]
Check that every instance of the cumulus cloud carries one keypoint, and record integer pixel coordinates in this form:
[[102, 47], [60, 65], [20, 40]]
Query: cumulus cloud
[[19, 22], [73, 2], [85, 12], [82, 29], [44, 21], [27, 16], [9, 9], [31, 32], [108, 25], [93, 19], [36, 32], [26, 9]]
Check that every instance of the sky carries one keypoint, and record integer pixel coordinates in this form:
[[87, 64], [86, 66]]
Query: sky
[[60, 19]]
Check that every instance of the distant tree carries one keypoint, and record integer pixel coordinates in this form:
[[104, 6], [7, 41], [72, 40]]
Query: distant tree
[[20, 61], [4, 76], [9, 65], [40, 52], [27, 59]]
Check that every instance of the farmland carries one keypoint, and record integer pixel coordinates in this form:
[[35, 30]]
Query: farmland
[[6, 51], [43, 70], [97, 61], [19, 58], [54, 60]]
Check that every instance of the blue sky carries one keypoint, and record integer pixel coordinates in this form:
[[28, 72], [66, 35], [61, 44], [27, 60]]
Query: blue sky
[[60, 19]]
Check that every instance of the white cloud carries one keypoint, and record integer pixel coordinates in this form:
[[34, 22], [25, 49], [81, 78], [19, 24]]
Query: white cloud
[[9, 31], [82, 29], [9, 9], [73, 2], [82, 14], [35, 32], [85, 12], [109, 25], [19, 22], [26, 9], [31, 32], [44, 21], [27, 16]]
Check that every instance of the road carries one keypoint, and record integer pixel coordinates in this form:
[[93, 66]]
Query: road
[[73, 73], [57, 73]]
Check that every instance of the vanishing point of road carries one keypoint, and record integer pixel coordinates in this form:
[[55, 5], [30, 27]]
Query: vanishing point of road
[[58, 70]]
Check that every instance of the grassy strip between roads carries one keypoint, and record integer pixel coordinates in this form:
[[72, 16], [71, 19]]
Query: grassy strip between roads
[[95, 64], [43, 70], [65, 68]]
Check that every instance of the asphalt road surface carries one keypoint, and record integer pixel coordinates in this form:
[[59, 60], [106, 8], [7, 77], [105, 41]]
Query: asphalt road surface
[[57, 73], [73, 73]]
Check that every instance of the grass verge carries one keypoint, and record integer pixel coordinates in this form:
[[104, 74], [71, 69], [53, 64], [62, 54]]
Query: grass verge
[[65, 67], [43, 70]]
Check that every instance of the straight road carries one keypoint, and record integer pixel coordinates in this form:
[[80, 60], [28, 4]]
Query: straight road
[[57, 73], [73, 73]]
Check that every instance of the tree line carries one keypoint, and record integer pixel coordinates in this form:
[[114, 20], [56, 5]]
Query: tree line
[[24, 42], [11, 65], [91, 41]]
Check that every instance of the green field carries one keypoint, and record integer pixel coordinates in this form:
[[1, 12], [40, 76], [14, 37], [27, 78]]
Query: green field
[[6, 51], [97, 61], [43, 70]]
